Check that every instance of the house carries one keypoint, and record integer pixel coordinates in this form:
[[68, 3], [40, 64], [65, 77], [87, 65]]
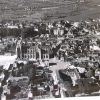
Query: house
[[58, 31], [97, 73], [2, 47]]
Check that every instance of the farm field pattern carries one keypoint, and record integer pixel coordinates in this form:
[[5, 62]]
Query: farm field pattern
[[48, 10]]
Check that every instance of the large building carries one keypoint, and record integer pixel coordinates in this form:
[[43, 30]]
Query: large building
[[27, 50]]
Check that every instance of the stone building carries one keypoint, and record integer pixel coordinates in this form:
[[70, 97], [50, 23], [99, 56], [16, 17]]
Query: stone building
[[27, 50], [31, 50]]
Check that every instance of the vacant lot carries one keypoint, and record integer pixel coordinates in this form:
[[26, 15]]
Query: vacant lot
[[48, 10]]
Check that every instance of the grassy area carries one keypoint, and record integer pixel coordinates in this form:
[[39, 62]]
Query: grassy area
[[37, 10]]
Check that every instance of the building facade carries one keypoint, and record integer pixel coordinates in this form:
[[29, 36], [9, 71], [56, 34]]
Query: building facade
[[27, 50], [32, 50]]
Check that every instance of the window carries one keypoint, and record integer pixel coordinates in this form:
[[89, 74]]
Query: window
[[31, 56], [28, 51], [31, 50], [44, 56], [47, 56], [24, 56], [28, 56]]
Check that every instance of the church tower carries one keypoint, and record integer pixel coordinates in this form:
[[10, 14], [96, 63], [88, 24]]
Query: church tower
[[19, 49]]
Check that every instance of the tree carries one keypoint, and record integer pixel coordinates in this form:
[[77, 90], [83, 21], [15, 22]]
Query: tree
[[30, 32]]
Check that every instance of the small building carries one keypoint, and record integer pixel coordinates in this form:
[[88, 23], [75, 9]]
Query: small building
[[58, 31], [97, 73], [2, 47]]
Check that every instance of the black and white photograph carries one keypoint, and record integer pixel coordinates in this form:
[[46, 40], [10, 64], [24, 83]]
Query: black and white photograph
[[49, 49]]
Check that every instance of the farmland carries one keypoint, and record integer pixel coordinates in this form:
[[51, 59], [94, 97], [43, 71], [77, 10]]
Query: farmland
[[48, 10]]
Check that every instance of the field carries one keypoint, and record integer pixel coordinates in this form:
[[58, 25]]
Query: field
[[48, 10]]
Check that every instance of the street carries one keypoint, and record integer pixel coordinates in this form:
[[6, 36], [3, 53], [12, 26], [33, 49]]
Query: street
[[55, 68]]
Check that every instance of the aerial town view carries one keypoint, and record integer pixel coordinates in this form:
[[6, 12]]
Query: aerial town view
[[49, 49]]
